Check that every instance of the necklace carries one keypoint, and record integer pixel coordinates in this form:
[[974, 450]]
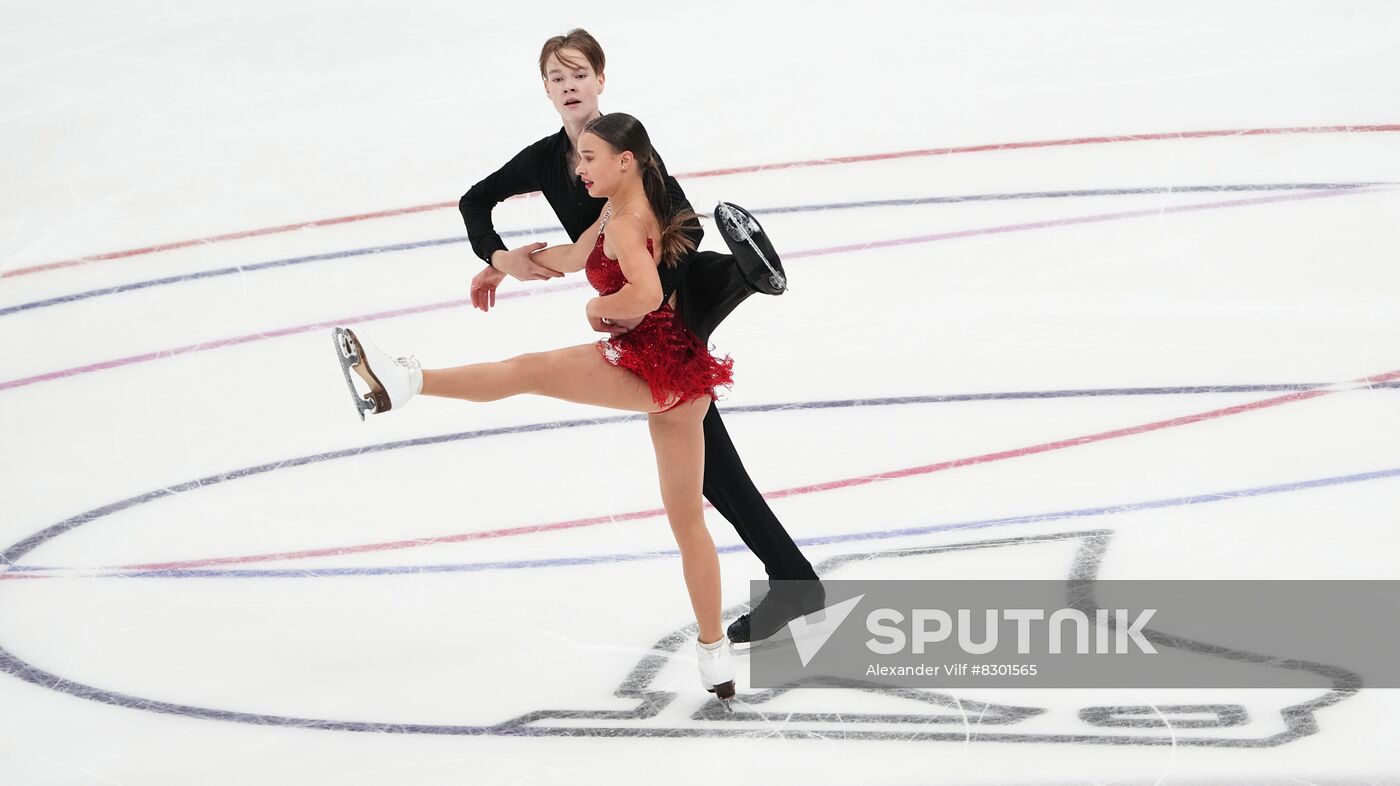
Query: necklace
[[608, 213]]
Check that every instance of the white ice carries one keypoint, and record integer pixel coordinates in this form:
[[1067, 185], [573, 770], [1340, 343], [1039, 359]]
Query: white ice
[[135, 124]]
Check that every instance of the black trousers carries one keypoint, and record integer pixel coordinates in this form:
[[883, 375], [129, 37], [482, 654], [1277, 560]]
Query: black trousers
[[710, 289]]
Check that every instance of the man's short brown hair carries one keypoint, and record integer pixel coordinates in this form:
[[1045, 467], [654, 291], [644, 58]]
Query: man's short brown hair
[[579, 39]]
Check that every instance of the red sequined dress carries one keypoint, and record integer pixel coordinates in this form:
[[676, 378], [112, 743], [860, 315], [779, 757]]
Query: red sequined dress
[[661, 350]]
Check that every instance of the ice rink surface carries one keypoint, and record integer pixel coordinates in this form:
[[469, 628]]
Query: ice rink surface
[[1076, 281]]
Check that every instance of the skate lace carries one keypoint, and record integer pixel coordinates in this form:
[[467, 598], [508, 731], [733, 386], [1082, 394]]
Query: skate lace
[[409, 362]]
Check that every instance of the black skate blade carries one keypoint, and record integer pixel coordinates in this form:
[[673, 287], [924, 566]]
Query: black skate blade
[[348, 352]]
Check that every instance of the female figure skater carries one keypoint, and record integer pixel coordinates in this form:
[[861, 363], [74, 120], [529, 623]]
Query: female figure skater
[[658, 366], [710, 286]]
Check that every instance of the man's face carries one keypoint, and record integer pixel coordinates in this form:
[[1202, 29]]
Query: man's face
[[574, 89]]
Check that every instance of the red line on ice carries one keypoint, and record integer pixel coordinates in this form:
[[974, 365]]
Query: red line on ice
[[932, 151], [927, 469], [362, 318]]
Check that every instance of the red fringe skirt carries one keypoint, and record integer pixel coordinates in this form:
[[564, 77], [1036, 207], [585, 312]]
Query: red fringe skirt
[[669, 358]]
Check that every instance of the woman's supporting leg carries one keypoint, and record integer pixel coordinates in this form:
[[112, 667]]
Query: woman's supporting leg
[[680, 463], [578, 374]]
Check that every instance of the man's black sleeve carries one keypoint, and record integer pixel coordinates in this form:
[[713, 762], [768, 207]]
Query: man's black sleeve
[[520, 175]]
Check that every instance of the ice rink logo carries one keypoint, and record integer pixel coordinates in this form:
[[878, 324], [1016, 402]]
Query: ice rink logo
[[860, 708]]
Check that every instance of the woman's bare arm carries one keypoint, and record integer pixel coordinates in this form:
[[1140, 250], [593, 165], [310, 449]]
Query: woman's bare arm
[[572, 257]]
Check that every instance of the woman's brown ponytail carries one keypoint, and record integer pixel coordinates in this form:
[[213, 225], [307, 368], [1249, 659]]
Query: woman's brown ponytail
[[675, 241]]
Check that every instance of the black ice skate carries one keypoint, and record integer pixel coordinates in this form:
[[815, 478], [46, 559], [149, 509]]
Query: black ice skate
[[753, 251], [785, 601]]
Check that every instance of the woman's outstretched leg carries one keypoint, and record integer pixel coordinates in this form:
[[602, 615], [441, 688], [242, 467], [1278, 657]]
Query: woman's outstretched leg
[[578, 374]]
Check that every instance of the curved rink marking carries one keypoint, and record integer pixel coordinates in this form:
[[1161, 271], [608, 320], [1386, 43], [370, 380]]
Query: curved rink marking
[[35, 675], [865, 246], [958, 234], [865, 158], [185, 568], [887, 476], [850, 537], [413, 245]]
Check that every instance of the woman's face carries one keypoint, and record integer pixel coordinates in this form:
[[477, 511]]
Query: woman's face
[[601, 168], [573, 90]]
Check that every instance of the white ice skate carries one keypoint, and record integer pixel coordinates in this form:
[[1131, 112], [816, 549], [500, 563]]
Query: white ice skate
[[392, 381], [716, 668]]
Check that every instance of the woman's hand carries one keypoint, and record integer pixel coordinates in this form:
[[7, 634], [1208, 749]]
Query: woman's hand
[[601, 324], [520, 264], [620, 326], [613, 327]]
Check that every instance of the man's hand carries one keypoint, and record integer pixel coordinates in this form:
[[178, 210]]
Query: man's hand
[[484, 288], [517, 264]]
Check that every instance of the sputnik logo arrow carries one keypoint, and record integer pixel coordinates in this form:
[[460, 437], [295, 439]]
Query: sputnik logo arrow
[[810, 637]]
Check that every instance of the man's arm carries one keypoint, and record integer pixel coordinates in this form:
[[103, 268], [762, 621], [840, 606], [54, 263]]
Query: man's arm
[[518, 176]]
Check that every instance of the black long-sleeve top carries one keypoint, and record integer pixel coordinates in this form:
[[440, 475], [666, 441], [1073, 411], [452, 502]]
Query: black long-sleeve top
[[544, 167]]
